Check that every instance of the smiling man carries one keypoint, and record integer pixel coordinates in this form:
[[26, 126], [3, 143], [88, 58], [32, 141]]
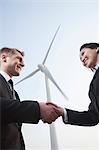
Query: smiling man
[[13, 59], [14, 112]]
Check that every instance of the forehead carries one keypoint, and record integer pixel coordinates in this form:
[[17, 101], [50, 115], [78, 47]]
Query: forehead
[[17, 54], [84, 50]]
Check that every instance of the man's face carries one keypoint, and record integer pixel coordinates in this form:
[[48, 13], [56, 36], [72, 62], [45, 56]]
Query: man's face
[[14, 64], [88, 57]]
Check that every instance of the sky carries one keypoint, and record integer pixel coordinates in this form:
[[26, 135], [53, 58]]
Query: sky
[[30, 25]]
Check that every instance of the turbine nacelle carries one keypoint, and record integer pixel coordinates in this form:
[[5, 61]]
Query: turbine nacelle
[[45, 70], [41, 67]]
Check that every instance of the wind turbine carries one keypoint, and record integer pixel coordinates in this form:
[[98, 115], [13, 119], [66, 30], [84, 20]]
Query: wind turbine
[[48, 76]]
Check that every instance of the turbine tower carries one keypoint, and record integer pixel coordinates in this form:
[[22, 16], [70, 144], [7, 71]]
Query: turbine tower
[[41, 67]]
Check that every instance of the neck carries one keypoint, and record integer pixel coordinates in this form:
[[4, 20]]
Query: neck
[[4, 70]]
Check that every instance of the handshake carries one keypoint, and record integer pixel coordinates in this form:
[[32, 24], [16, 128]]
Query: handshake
[[50, 112]]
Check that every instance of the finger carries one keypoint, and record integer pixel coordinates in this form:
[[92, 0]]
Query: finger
[[47, 121], [59, 111], [44, 121], [54, 116], [50, 103]]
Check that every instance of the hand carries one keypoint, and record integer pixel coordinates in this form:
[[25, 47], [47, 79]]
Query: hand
[[48, 112], [59, 110]]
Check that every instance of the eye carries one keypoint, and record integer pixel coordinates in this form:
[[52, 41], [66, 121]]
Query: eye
[[20, 59], [81, 55]]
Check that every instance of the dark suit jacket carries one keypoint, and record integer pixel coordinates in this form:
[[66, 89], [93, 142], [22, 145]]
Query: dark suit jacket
[[90, 117], [12, 114]]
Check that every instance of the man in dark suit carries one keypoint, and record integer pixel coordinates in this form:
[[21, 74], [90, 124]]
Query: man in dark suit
[[14, 112], [89, 55]]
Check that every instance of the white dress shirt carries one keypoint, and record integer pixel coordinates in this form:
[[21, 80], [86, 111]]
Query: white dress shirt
[[7, 78], [5, 75]]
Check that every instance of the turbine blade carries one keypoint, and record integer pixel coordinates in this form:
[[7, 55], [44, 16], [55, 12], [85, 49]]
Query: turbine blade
[[48, 74], [30, 75], [50, 45]]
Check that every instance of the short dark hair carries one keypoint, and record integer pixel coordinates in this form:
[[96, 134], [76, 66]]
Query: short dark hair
[[89, 45], [10, 51]]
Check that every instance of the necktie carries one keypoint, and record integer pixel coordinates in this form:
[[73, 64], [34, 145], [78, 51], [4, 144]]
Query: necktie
[[12, 89], [11, 84], [13, 93]]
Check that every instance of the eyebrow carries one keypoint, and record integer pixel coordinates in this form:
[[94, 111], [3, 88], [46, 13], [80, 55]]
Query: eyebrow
[[19, 57]]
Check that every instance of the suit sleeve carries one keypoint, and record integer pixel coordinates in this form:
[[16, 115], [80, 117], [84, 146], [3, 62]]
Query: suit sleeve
[[85, 118], [20, 112], [90, 117]]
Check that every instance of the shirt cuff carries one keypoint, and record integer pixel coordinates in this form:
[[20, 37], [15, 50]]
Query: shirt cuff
[[65, 117]]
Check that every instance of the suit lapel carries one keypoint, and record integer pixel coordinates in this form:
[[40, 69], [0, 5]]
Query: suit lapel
[[6, 86], [97, 71]]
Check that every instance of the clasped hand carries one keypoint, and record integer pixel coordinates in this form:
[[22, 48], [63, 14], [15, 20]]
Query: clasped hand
[[50, 112]]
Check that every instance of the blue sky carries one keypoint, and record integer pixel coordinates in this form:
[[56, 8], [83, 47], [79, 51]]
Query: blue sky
[[30, 25]]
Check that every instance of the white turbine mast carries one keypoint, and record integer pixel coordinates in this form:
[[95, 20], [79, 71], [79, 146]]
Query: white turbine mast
[[43, 68]]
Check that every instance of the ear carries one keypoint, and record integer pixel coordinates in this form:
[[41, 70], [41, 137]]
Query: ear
[[3, 57]]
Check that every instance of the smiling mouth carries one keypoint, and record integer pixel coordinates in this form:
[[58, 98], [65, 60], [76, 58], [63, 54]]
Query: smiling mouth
[[19, 68], [85, 61]]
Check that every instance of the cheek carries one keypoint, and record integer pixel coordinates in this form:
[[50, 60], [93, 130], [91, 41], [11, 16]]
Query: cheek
[[92, 63], [94, 59], [15, 63], [13, 66]]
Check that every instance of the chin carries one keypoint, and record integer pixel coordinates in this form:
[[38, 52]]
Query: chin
[[90, 66], [17, 74]]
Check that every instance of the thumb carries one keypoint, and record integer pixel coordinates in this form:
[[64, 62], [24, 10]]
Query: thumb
[[50, 103]]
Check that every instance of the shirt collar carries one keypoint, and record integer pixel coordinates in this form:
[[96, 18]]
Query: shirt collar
[[5, 75], [95, 68]]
